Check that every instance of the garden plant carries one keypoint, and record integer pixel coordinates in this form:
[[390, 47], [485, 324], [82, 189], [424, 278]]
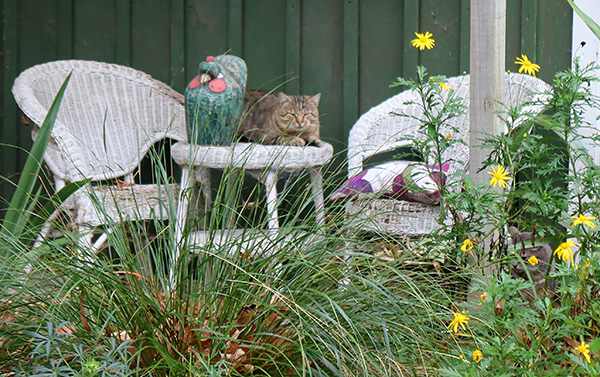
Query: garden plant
[[328, 300], [548, 186]]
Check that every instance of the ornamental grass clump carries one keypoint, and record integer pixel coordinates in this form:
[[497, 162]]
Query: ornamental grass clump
[[309, 308], [324, 299], [317, 303]]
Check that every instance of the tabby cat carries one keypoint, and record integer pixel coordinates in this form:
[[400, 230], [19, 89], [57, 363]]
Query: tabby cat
[[278, 118], [523, 245]]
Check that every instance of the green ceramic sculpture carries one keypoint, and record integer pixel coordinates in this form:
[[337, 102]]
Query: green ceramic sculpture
[[213, 100]]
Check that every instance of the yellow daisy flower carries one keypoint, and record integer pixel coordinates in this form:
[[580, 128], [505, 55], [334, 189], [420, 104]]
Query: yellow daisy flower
[[533, 260], [444, 86], [477, 356], [423, 41], [459, 320], [467, 246], [527, 66], [499, 176], [448, 137], [583, 274], [564, 251], [581, 219], [482, 298], [584, 350]]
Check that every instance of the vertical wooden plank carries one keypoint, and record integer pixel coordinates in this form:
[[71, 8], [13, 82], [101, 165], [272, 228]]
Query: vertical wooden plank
[[177, 23], [379, 59], [9, 113], [235, 27], [206, 31], [554, 39], [514, 14], [529, 27], [95, 30], [322, 66], [465, 35], [37, 44], [65, 29], [292, 45], [412, 17], [150, 42], [488, 31], [443, 19], [264, 47], [123, 32], [350, 73]]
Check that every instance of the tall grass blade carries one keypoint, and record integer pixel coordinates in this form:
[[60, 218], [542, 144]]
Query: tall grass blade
[[16, 218], [55, 202], [594, 27]]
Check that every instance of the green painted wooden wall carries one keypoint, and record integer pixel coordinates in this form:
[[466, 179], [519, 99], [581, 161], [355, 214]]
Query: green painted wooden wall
[[349, 50]]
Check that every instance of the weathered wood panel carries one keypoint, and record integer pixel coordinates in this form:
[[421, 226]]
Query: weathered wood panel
[[349, 50]]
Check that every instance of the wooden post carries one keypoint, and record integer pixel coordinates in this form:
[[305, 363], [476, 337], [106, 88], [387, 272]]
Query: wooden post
[[488, 41]]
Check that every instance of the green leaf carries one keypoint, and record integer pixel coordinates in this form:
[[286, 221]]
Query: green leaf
[[56, 201], [595, 345], [16, 216], [594, 27], [519, 135]]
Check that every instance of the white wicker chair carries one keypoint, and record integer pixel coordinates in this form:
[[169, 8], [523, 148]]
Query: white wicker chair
[[109, 118], [379, 130]]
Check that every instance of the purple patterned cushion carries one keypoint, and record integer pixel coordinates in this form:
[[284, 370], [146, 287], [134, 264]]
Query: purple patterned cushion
[[403, 180]]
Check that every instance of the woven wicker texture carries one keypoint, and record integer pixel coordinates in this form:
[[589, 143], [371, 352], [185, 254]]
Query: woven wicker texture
[[252, 156], [381, 130], [109, 118]]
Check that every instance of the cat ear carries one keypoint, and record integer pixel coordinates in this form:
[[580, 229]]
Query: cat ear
[[282, 97], [513, 231], [316, 98]]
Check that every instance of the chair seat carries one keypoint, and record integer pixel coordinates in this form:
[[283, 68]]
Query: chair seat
[[395, 217], [129, 203]]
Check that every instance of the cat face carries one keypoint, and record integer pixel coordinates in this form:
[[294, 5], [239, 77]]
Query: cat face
[[542, 253], [297, 114], [523, 245]]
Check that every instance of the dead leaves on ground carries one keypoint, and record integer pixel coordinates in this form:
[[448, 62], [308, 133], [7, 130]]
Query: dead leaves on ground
[[241, 338]]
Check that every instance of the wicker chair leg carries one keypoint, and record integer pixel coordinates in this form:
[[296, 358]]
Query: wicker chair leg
[[270, 182], [46, 229], [85, 245], [317, 191], [100, 241]]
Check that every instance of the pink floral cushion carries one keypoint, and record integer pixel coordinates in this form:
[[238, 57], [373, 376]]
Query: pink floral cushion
[[403, 180]]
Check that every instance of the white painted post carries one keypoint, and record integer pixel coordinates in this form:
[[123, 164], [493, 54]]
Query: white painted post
[[488, 41], [588, 53]]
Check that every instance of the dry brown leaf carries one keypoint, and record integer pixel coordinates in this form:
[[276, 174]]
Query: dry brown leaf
[[499, 307], [571, 342]]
